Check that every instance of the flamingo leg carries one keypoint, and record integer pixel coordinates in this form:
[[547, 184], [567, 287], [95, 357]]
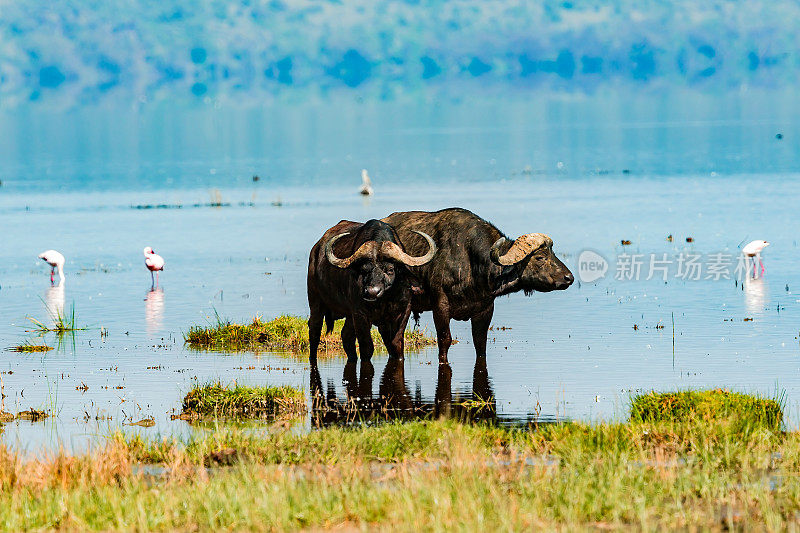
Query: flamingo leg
[[761, 263], [152, 280], [156, 278]]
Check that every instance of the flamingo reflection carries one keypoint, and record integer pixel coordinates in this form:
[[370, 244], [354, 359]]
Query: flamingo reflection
[[755, 295], [154, 309], [54, 300]]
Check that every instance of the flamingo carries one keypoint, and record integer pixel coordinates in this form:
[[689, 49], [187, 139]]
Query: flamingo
[[56, 261], [753, 249], [154, 263], [366, 184]]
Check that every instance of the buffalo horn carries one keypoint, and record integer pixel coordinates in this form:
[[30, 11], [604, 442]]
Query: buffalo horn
[[520, 248], [392, 251], [365, 250]]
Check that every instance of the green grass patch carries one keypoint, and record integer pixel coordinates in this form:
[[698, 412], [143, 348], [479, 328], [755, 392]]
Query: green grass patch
[[285, 333], [708, 405], [215, 399]]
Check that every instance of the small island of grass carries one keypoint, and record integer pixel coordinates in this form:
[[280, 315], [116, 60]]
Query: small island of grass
[[215, 399], [285, 333], [708, 405]]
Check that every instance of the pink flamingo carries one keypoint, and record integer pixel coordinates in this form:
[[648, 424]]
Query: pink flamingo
[[154, 263], [753, 249], [56, 261]]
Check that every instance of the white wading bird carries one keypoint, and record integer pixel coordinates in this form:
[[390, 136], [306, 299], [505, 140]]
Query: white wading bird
[[753, 250], [56, 261], [154, 263], [366, 184]]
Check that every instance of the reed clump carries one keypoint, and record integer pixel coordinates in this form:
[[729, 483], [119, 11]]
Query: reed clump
[[62, 323]]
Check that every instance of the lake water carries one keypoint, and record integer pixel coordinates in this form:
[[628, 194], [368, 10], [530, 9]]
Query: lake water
[[589, 170]]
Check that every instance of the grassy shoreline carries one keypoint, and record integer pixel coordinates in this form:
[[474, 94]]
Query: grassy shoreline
[[285, 333], [689, 472]]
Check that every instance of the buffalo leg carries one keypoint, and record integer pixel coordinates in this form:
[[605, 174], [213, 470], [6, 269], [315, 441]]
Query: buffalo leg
[[480, 329], [393, 334], [362, 328], [349, 339], [389, 340], [314, 333], [441, 319]]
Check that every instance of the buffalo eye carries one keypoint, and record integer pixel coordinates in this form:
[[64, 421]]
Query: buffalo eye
[[389, 269], [366, 267]]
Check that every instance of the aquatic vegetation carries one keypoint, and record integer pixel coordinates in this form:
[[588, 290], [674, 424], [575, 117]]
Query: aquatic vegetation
[[284, 333], [144, 422], [195, 205], [5, 416], [477, 404], [215, 399], [34, 415], [708, 405], [28, 347], [62, 322]]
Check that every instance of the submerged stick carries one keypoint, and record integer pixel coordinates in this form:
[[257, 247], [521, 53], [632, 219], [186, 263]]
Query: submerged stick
[[673, 339]]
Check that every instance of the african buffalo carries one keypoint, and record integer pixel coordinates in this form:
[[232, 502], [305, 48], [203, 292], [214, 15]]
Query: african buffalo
[[361, 272], [475, 264]]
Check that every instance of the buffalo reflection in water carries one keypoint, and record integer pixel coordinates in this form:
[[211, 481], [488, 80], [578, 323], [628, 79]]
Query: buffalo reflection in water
[[394, 400]]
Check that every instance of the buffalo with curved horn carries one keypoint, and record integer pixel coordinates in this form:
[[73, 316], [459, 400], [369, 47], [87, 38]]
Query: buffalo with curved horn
[[362, 273], [475, 264]]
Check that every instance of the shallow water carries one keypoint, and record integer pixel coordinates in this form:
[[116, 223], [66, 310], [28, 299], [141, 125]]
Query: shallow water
[[588, 170]]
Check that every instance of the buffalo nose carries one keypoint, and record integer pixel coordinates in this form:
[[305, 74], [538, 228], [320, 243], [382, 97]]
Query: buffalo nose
[[373, 292], [565, 282]]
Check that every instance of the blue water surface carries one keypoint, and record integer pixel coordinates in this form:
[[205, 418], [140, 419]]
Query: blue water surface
[[590, 170]]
